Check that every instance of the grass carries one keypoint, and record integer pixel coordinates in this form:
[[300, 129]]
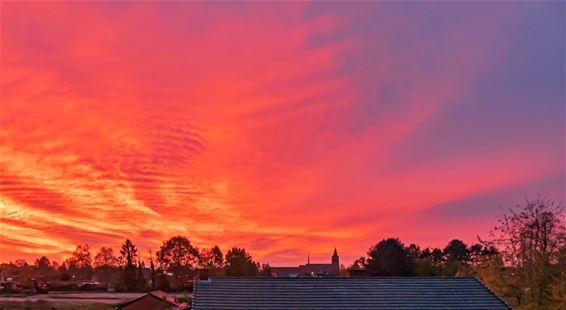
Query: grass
[[44, 305]]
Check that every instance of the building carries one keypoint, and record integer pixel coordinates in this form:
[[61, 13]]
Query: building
[[309, 270], [156, 300], [343, 293]]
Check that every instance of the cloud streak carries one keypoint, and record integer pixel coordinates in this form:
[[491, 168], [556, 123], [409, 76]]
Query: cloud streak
[[285, 128]]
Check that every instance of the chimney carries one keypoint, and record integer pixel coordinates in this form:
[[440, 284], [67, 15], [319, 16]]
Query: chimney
[[203, 274]]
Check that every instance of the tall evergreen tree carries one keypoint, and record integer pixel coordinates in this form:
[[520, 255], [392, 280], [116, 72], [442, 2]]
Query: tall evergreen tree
[[152, 268], [129, 258], [240, 263]]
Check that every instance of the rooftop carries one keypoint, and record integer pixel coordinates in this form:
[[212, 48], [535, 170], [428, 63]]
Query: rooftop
[[344, 293], [161, 300]]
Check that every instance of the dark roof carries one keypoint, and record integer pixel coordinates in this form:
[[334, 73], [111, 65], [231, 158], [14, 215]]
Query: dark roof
[[159, 295], [323, 266], [344, 293], [306, 269]]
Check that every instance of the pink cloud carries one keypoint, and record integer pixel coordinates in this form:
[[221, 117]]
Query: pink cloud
[[278, 127]]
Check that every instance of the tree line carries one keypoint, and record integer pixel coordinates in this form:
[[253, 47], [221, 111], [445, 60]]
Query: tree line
[[523, 260], [390, 257], [172, 267]]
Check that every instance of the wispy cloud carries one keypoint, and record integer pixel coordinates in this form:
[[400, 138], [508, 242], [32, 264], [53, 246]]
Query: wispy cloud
[[283, 127]]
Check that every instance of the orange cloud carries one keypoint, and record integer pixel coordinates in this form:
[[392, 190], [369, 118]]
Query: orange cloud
[[283, 128]]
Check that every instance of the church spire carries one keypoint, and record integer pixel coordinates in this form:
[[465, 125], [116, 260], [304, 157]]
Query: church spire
[[335, 258]]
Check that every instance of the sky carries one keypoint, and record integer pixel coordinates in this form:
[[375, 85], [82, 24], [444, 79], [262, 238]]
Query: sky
[[286, 128]]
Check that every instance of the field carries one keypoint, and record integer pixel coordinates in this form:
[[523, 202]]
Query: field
[[44, 305], [68, 300]]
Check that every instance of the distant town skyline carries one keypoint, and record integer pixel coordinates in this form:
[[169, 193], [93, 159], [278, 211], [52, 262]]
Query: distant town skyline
[[286, 128]]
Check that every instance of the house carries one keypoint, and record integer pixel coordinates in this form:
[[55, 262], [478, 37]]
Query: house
[[309, 270], [344, 293], [157, 300]]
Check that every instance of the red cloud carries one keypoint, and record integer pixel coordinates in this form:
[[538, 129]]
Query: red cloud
[[269, 126]]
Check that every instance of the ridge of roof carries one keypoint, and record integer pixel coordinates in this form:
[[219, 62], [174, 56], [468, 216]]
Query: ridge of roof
[[155, 294], [489, 290], [344, 293]]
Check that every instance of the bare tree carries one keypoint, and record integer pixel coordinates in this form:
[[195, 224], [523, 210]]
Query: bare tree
[[213, 260], [80, 263], [105, 257], [105, 261], [531, 236]]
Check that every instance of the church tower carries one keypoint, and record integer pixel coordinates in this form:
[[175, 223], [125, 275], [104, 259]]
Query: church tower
[[335, 258]]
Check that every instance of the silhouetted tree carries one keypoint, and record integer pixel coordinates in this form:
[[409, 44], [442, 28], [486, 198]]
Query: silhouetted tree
[[63, 272], [213, 259], [359, 263], [161, 281], [437, 256], [413, 251], [264, 270], [141, 278], [531, 237], [105, 257], [129, 256], [152, 268], [424, 263], [389, 258], [455, 258], [104, 262], [456, 251], [475, 252], [55, 265], [478, 252], [81, 257], [177, 255], [426, 253], [240, 263], [43, 265], [129, 253], [80, 263], [558, 286]]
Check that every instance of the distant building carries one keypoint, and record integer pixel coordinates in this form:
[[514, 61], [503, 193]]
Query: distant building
[[309, 270], [156, 300], [344, 293]]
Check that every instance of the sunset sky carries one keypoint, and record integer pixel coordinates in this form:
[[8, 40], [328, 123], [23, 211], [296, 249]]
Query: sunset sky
[[286, 128]]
